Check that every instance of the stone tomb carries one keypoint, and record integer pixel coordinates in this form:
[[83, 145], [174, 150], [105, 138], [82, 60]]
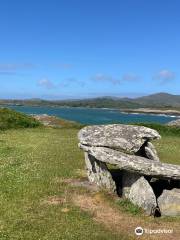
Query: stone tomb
[[138, 175]]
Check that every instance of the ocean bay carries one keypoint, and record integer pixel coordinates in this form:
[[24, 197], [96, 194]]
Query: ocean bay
[[94, 115]]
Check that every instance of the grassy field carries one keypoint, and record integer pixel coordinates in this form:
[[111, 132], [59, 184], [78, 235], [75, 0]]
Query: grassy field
[[37, 201], [33, 164]]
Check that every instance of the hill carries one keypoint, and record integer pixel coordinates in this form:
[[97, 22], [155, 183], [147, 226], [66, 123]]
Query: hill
[[158, 100]]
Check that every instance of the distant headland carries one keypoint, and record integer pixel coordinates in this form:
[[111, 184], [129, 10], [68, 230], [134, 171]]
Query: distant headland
[[159, 103]]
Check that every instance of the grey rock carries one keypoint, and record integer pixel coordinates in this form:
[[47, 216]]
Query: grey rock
[[142, 195], [98, 173], [169, 202], [151, 152], [175, 123], [129, 148], [125, 138], [128, 178], [132, 163]]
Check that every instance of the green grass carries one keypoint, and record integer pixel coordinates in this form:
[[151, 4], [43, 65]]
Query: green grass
[[127, 206], [168, 147], [163, 130], [32, 164], [11, 119]]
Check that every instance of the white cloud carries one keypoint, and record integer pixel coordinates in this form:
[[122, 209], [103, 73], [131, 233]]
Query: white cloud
[[165, 76], [64, 65], [15, 66], [106, 78], [72, 81], [130, 77], [46, 83]]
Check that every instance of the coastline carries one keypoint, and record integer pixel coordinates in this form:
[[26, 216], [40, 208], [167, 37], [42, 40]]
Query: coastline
[[160, 112]]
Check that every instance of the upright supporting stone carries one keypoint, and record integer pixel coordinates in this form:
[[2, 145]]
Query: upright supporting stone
[[128, 178], [169, 202], [142, 195], [98, 173]]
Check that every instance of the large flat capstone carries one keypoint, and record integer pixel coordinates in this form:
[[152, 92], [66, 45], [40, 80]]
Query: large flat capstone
[[134, 163], [126, 138]]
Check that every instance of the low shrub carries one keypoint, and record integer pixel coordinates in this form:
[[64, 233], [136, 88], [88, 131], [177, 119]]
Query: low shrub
[[12, 119]]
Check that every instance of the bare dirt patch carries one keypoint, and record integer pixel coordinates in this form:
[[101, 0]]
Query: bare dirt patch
[[62, 180], [54, 200], [78, 182], [109, 215], [124, 223], [85, 184]]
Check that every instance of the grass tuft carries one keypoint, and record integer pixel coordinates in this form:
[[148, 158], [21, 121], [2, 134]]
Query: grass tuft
[[127, 206]]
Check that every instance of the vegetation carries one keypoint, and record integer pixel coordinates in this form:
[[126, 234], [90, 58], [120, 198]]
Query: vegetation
[[104, 102], [56, 122], [11, 119], [37, 199], [164, 130], [160, 100], [127, 206]]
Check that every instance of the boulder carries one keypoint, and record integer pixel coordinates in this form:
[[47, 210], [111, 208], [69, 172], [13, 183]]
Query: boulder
[[169, 202], [142, 195], [125, 138], [175, 123]]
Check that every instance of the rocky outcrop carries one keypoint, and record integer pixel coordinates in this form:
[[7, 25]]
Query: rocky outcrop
[[175, 123], [169, 202], [130, 149]]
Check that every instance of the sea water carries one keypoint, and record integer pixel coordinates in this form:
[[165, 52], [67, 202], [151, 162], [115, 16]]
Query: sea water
[[94, 115]]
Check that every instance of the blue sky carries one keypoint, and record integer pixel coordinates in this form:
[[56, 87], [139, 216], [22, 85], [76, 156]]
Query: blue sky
[[59, 49]]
